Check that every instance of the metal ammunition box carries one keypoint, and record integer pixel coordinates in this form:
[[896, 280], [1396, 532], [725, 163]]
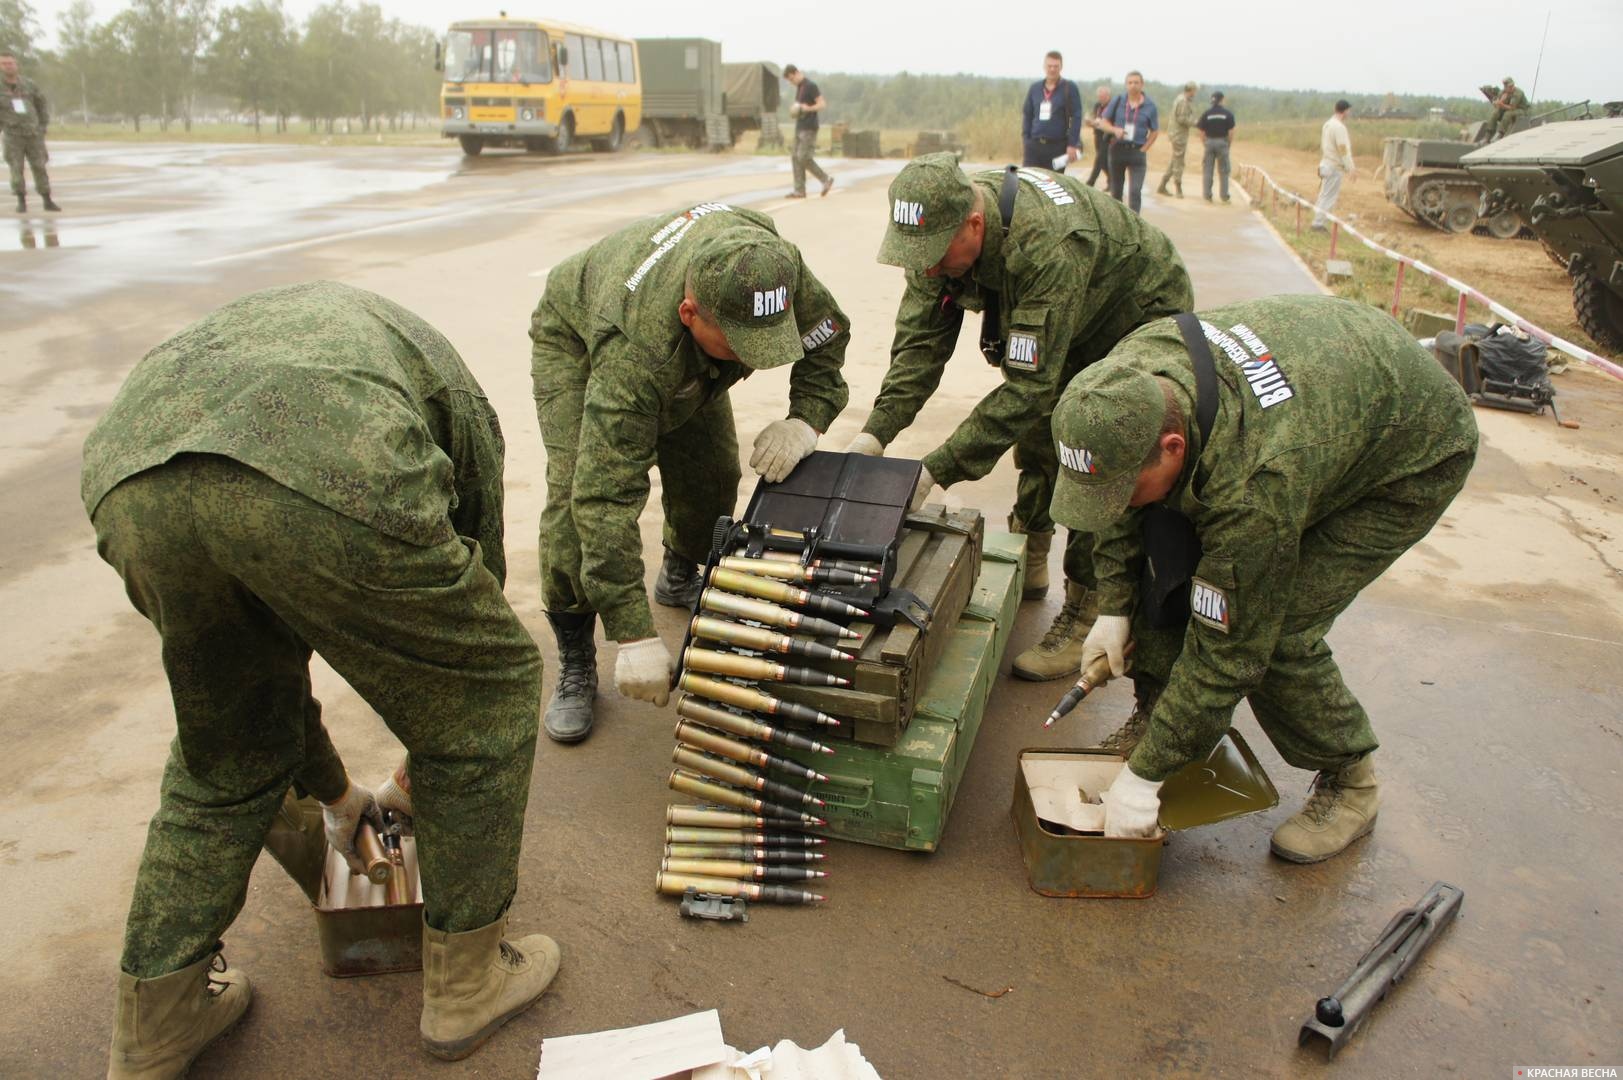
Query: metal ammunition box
[[938, 560], [360, 933], [1071, 862], [898, 796]]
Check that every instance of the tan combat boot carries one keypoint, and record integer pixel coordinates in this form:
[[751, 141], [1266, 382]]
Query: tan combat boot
[[476, 981], [1038, 545], [1059, 653], [1341, 809], [162, 1024], [1124, 740]]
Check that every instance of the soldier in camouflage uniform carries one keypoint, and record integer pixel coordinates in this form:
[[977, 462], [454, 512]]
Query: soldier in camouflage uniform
[[1508, 108], [314, 468], [1183, 118], [1336, 443], [636, 342], [24, 116], [1073, 273]]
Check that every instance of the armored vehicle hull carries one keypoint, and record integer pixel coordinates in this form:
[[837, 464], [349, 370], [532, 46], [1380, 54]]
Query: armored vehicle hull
[[1425, 180]]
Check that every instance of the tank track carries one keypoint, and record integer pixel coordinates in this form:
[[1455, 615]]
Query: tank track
[[1481, 226]]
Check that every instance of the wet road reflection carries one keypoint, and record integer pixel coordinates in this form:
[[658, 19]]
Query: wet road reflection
[[38, 235]]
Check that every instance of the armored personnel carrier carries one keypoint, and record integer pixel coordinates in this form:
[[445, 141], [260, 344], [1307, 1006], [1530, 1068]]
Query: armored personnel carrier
[[1425, 180], [1566, 181]]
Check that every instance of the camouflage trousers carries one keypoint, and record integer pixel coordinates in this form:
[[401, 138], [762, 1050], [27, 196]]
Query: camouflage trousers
[[30, 149], [1038, 465], [1174, 173], [1499, 127], [697, 462], [242, 577], [1302, 703]]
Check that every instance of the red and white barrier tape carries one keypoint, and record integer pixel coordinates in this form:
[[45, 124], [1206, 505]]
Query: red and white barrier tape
[[1577, 352]]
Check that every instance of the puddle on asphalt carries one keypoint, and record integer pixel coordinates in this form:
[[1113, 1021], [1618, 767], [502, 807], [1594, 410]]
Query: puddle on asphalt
[[34, 236]]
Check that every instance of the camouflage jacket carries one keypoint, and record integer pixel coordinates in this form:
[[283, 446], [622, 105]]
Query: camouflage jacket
[[23, 108], [1183, 118], [1336, 401], [1075, 273], [619, 300], [335, 393]]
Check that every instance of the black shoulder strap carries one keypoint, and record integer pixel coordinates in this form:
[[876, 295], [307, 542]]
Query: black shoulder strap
[[1205, 374], [1005, 198]]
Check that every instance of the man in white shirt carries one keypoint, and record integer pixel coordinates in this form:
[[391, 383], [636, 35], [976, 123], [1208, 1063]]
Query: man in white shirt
[[1335, 162]]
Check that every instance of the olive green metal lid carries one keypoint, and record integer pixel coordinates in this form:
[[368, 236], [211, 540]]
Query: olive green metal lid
[[1229, 783]]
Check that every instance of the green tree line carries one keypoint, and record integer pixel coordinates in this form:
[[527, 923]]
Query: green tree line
[[167, 61]]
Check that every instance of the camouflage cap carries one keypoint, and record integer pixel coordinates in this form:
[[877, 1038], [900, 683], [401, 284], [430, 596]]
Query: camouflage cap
[[1190, 86], [929, 200], [745, 278], [1106, 421]]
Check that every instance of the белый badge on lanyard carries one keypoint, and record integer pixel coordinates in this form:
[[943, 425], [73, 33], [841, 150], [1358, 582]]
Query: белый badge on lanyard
[[1131, 127], [19, 104], [1045, 111]]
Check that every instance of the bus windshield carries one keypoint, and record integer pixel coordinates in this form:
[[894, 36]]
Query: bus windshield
[[497, 55]]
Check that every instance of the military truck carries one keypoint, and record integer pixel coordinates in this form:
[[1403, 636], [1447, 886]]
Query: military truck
[[751, 96], [1424, 179], [682, 93], [1566, 181]]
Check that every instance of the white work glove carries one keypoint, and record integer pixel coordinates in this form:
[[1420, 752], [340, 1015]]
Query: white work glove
[[395, 794], [780, 447], [866, 445], [922, 490], [1108, 637], [1132, 805], [341, 819], [642, 670]]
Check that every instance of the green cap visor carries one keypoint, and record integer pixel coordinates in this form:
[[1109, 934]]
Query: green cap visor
[[1104, 426], [745, 277], [929, 200]]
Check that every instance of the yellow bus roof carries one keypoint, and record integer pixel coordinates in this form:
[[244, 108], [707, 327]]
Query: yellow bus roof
[[494, 22]]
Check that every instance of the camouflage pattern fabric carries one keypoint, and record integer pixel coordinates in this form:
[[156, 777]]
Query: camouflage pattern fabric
[[1183, 118], [242, 576], [621, 387], [1338, 443], [24, 116], [1076, 272]]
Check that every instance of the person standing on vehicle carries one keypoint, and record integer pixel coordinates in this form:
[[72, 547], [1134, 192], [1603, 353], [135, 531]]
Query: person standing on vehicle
[[1101, 137], [1133, 119], [807, 104], [1051, 121], [1216, 126], [1183, 118], [1335, 162], [24, 116]]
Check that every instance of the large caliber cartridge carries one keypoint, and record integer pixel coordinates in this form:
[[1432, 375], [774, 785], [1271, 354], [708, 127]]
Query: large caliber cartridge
[[705, 739], [757, 637], [760, 611], [397, 890], [780, 592], [717, 817], [739, 851], [370, 849], [749, 871], [754, 667], [738, 776], [747, 697], [791, 570], [684, 834], [700, 788], [677, 884], [862, 569], [750, 728]]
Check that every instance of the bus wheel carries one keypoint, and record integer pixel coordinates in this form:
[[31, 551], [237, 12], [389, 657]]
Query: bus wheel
[[564, 141], [616, 137], [471, 144]]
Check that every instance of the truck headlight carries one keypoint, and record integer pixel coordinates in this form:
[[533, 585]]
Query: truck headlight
[[526, 115], [456, 113]]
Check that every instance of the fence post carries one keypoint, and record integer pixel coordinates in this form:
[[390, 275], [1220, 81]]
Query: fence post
[[1459, 316], [1298, 219], [1335, 234], [1397, 287], [1275, 198]]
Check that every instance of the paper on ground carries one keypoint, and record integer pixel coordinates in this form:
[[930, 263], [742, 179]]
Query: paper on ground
[[834, 1060], [636, 1053]]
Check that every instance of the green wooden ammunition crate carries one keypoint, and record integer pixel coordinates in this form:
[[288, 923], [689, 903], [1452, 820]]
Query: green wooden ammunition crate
[[939, 559], [898, 796]]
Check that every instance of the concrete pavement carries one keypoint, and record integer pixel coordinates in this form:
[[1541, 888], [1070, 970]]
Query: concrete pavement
[[1487, 659]]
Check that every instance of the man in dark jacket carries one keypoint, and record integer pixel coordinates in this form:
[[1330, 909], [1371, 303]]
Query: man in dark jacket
[[1051, 121]]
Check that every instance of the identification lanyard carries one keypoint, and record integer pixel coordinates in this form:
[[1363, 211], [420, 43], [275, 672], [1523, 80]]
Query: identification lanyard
[[1130, 113], [1045, 111]]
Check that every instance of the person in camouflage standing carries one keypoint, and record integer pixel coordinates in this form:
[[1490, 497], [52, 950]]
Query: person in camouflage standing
[[1183, 118], [636, 342], [24, 116], [314, 468], [1062, 281], [1238, 520]]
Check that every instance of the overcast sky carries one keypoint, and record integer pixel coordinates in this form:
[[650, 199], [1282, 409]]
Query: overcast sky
[[1373, 46]]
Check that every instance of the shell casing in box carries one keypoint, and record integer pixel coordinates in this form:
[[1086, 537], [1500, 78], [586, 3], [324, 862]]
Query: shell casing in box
[[760, 611], [370, 849], [684, 834], [779, 592], [700, 788], [677, 884], [757, 637], [862, 569], [728, 773], [748, 697], [749, 871], [705, 739], [720, 817], [747, 726], [739, 851], [792, 571], [754, 667]]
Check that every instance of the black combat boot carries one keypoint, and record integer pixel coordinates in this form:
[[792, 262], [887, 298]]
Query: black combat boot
[[679, 582], [51, 206], [570, 714], [22, 204]]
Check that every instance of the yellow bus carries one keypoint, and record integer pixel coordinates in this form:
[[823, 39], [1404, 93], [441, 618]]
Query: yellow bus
[[538, 84]]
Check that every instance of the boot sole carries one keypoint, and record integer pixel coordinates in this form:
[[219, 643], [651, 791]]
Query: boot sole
[[1034, 593], [670, 600], [574, 737], [1032, 676], [457, 1049], [1307, 860]]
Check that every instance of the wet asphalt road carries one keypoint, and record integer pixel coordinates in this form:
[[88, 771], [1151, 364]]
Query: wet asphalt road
[[1487, 659]]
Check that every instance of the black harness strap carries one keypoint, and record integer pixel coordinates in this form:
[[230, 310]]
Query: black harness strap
[[991, 316], [1205, 374]]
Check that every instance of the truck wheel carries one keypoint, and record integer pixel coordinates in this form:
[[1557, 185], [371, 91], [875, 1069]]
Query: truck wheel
[[611, 143], [471, 144], [564, 141], [1599, 310]]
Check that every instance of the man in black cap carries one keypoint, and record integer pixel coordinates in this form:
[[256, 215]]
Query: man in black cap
[[1216, 126]]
